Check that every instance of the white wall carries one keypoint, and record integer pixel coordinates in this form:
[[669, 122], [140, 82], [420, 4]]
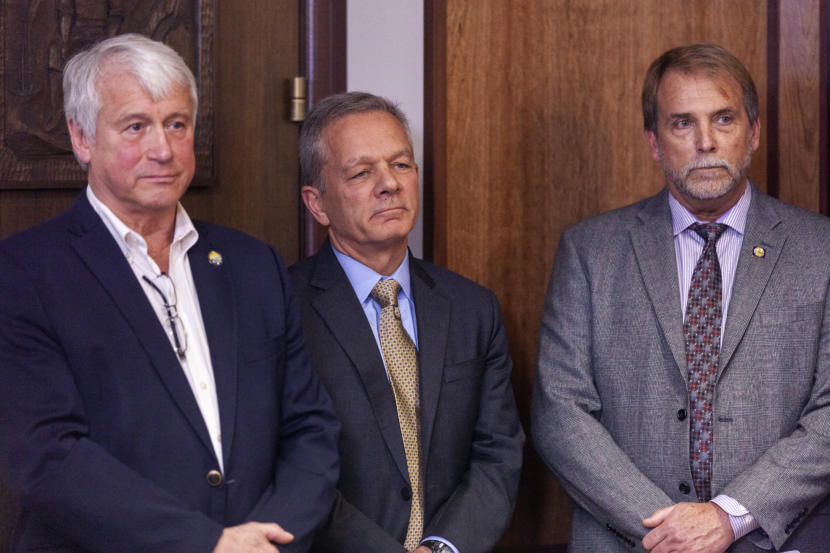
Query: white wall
[[385, 56]]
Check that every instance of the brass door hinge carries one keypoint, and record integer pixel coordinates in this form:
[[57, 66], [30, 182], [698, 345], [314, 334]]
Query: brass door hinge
[[299, 100]]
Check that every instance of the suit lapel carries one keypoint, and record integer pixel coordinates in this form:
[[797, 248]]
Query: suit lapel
[[654, 248], [752, 273], [336, 304], [97, 248], [432, 312], [216, 302]]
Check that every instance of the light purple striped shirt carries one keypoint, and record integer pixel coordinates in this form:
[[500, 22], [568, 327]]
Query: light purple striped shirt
[[688, 245]]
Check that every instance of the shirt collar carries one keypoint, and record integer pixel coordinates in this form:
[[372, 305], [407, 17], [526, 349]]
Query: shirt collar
[[363, 279], [185, 234], [734, 218]]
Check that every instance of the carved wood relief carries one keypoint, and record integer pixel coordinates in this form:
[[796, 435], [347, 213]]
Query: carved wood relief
[[39, 36]]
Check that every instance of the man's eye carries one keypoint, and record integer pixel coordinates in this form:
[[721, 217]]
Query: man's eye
[[134, 127], [725, 119], [682, 123], [360, 174]]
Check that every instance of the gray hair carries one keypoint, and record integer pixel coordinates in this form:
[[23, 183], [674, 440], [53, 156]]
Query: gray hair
[[313, 153], [157, 67]]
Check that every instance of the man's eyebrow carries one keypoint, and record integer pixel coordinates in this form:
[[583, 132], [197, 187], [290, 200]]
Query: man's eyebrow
[[351, 162], [687, 115], [132, 115]]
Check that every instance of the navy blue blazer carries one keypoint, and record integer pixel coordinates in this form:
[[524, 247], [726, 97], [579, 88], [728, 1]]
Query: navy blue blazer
[[100, 433]]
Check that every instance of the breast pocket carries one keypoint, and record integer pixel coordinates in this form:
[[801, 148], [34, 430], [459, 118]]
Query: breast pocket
[[465, 369], [793, 322]]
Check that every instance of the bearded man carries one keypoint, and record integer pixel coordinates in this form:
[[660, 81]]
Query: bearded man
[[683, 388]]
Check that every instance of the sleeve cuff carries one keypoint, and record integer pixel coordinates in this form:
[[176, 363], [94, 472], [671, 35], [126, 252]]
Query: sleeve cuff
[[740, 518], [442, 540]]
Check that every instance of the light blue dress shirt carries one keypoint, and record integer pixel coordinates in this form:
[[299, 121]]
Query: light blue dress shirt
[[363, 279]]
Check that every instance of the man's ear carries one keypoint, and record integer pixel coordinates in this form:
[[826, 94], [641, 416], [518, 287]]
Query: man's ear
[[80, 141], [651, 140], [313, 200], [755, 140]]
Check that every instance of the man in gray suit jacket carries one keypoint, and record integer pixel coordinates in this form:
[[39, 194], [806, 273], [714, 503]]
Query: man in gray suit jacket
[[678, 423], [430, 452]]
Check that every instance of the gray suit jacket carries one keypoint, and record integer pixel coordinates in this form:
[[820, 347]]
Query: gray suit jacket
[[611, 382], [470, 432]]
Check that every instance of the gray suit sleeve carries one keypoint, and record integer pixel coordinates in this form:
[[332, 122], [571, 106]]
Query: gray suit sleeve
[[785, 483], [595, 471]]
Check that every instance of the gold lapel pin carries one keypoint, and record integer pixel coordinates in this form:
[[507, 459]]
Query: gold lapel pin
[[759, 252], [215, 258]]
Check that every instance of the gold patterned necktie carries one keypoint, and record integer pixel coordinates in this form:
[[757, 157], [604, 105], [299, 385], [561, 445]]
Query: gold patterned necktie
[[402, 364]]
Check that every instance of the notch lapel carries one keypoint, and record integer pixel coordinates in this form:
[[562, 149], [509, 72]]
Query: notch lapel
[[432, 312], [97, 248], [752, 273], [336, 304], [654, 248], [216, 302]]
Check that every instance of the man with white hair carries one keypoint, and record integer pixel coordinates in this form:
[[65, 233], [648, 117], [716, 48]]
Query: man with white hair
[[157, 394]]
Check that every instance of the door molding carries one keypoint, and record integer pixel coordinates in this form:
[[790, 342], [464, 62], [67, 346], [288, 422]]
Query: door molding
[[323, 62]]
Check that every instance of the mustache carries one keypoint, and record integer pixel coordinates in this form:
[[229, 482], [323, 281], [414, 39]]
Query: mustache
[[708, 163]]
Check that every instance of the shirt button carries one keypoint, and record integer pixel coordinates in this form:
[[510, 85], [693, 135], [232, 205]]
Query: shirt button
[[684, 488], [203, 385], [682, 414], [406, 493], [214, 478]]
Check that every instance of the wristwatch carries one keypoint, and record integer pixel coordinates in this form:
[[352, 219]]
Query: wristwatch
[[437, 546]]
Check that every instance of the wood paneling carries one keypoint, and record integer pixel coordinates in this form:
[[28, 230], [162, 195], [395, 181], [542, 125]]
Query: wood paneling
[[799, 103], [536, 124], [256, 146]]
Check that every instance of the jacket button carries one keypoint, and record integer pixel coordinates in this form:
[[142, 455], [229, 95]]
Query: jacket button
[[406, 493], [214, 478], [684, 488], [682, 414]]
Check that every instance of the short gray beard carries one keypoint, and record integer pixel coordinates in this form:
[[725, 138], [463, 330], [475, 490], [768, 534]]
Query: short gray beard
[[707, 189]]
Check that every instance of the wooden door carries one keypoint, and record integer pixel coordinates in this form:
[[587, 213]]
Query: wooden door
[[534, 122]]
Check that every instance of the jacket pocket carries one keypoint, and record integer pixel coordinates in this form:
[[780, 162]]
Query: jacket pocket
[[465, 369]]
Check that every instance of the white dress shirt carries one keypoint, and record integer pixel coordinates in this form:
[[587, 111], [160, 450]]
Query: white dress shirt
[[196, 362]]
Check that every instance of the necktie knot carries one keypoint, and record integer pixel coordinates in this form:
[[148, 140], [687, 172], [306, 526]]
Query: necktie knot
[[710, 232], [385, 292]]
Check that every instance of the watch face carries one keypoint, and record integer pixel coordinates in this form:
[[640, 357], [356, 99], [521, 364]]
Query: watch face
[[438, 546]]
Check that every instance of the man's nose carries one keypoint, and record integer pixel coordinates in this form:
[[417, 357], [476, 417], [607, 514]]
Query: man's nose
[[705, 141], [388, 182], [158, 145]]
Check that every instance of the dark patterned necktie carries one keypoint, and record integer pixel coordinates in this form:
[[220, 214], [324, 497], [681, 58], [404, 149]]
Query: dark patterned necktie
[[701, 329], [401, 359]]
